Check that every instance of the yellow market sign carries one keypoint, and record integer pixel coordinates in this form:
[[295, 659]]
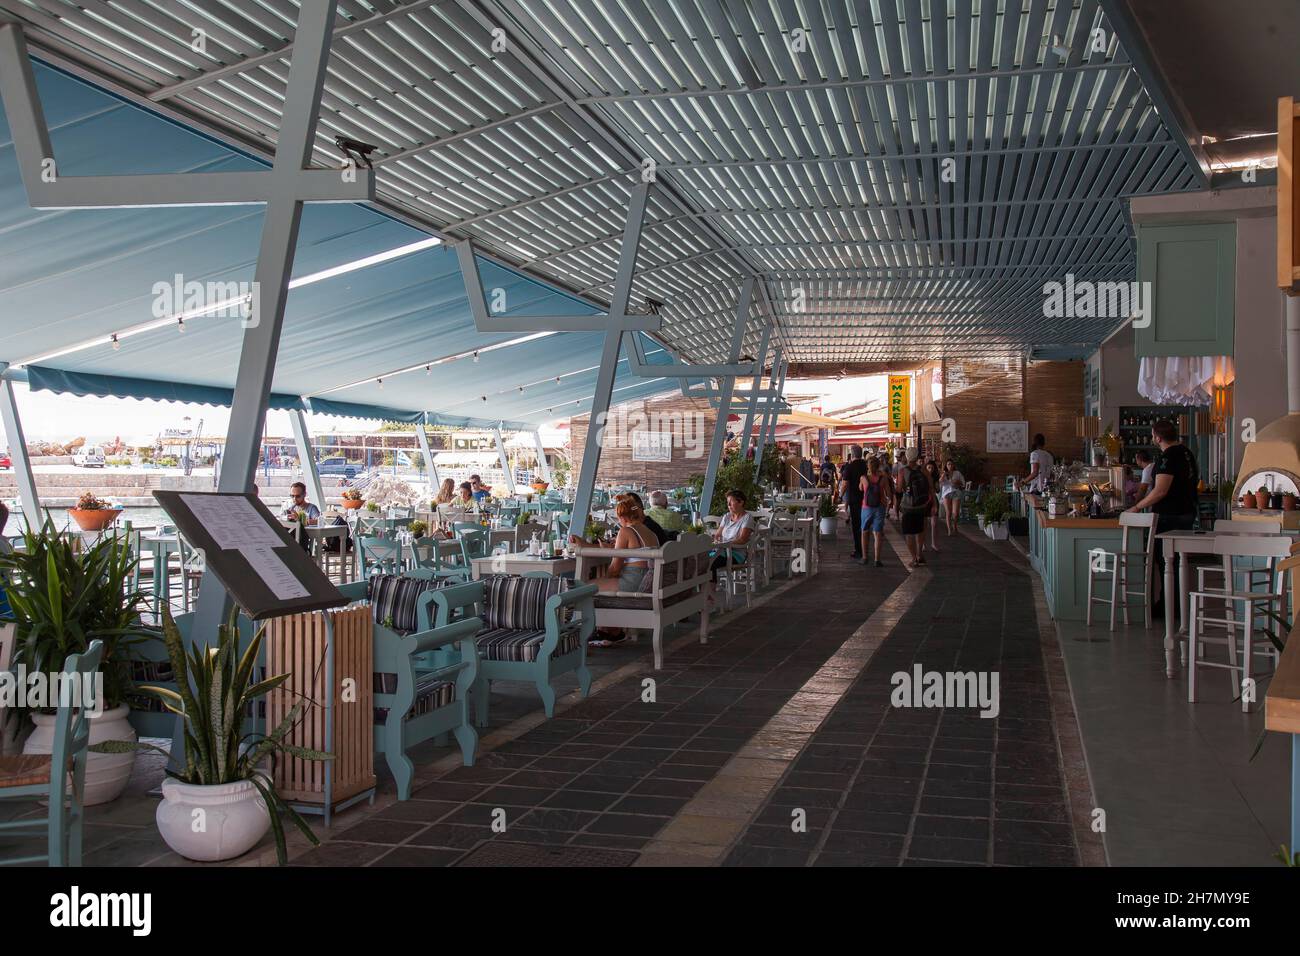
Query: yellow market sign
[[900, 404]]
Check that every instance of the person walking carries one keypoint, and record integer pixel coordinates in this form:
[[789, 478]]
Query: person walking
[[917, 497], [1173, 497], [876, 490], [897, 471], [931, 469], [951, 486], [851, 491], [1041, 464]]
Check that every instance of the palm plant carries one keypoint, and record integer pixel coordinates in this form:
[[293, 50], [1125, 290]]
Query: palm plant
[[214, 694], [62, 599]]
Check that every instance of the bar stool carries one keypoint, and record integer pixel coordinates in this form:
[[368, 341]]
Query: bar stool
[[1254, 576], [1254, 604], [1121, 563]]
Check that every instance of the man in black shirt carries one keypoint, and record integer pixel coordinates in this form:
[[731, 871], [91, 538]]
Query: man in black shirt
[[1173, 498], [851, 476]]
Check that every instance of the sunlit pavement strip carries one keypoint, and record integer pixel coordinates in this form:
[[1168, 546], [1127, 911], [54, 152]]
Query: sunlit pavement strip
[[497, 737], [1078, 780], [706, 827]]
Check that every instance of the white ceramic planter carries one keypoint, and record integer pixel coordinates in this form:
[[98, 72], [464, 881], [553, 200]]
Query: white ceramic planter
[[981, 521], [213, 823], [827, 527], [998, 531], [106, 774]]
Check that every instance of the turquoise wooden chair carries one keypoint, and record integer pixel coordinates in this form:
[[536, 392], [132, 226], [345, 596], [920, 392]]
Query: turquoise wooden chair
[[473, 544], [59, 777], [379, 556], [426, 556]]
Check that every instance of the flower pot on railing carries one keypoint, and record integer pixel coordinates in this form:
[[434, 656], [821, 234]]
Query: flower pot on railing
[[352, 503], [94, 519]]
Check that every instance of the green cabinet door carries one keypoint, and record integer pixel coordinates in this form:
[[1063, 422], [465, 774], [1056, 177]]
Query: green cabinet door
[[1192, 274]]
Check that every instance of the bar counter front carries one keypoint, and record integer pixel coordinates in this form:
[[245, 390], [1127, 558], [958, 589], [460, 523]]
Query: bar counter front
[[1058, 551]]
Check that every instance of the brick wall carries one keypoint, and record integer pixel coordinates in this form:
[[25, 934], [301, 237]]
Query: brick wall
[[1047, 394], [690, 421]]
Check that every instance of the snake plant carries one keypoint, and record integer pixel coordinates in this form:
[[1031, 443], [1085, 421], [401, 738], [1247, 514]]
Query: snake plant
[[215, 692]]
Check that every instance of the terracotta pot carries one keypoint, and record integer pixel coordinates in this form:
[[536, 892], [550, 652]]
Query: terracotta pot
[[540, 486], [94, 519], [352, 503], [1288, 502]]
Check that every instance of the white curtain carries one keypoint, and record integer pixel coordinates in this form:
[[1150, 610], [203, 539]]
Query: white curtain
[[1183, 379]]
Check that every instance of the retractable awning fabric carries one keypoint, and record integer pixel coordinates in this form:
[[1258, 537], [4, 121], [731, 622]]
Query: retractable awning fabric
[[70, 279]]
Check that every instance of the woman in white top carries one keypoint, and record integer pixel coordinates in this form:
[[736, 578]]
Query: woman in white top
[[736, 527], [951, 484]]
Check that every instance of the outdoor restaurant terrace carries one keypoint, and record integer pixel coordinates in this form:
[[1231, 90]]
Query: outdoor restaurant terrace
[[1036, 244]]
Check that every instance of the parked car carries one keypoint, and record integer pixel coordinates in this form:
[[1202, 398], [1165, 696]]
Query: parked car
[[5, 462], [90, 456], [337, 466]]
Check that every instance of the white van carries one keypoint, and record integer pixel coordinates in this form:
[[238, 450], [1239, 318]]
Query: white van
[[89, 456]]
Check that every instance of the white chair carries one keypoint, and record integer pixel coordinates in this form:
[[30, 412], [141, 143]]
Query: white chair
[[1123, 566], [1255, 605], [1254, 577]]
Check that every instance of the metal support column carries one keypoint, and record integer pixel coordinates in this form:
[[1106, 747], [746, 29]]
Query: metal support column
[[306, 455], [505, 462], [768, 428], [542, 463], [726, 385], [431, 470], [609, 354], [753, 393], [13, 425]]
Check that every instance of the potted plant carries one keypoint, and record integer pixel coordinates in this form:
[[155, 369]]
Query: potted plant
[[1261, 498], [372, 507], [1288, 501], [93, 514], [62, 600], [540, 486], [826, 511], [352, 498], [223, 781], [418, 529], [996, 511]]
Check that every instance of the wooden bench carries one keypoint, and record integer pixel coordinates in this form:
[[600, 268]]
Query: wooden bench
[[676, 587]]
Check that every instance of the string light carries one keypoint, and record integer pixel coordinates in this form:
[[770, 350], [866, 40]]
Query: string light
[[475, 356], [116, 344], [428, 369], [381, 383], [180, 324]]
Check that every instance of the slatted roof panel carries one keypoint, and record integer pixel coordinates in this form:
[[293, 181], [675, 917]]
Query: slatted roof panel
[[809, 144]]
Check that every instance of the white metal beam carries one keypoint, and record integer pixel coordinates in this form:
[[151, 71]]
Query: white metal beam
[[307, 456], [430, 469], [542, 463], [720, 424], [22, 464], [505, 462]]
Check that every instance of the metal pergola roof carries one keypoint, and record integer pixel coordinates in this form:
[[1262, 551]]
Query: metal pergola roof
[[808, 144]]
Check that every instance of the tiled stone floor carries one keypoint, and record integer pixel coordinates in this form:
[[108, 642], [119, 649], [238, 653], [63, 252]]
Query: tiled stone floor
[[612, 771], [884, 785]]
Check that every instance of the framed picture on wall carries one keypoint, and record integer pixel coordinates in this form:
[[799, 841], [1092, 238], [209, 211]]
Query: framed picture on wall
[[1007, 437], [652, 446]]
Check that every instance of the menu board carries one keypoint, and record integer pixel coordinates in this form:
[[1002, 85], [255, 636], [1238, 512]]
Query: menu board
[[265, 571]]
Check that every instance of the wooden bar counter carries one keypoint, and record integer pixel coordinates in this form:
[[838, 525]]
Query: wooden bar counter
[[1058, 551]]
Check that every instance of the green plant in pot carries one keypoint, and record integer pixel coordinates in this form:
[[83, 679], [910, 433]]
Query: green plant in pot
[[222, 781], [418, 529], [996, 510], [62, 599]]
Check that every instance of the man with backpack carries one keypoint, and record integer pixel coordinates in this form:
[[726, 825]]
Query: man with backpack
[[876, 491], [916, 496]]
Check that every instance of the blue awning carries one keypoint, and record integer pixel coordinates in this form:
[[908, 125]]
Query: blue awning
[[76, 277]]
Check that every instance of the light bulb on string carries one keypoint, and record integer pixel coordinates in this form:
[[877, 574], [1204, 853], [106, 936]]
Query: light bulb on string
[[116, 344]]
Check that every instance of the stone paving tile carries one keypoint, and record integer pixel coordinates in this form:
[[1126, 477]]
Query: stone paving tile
[[880, 785]]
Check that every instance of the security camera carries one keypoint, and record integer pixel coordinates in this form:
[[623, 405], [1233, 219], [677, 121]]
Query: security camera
[[355, 150]]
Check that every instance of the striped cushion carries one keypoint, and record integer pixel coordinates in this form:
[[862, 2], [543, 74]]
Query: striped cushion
[[430, 694], [518, 603], [507, 644], [394, 597]]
